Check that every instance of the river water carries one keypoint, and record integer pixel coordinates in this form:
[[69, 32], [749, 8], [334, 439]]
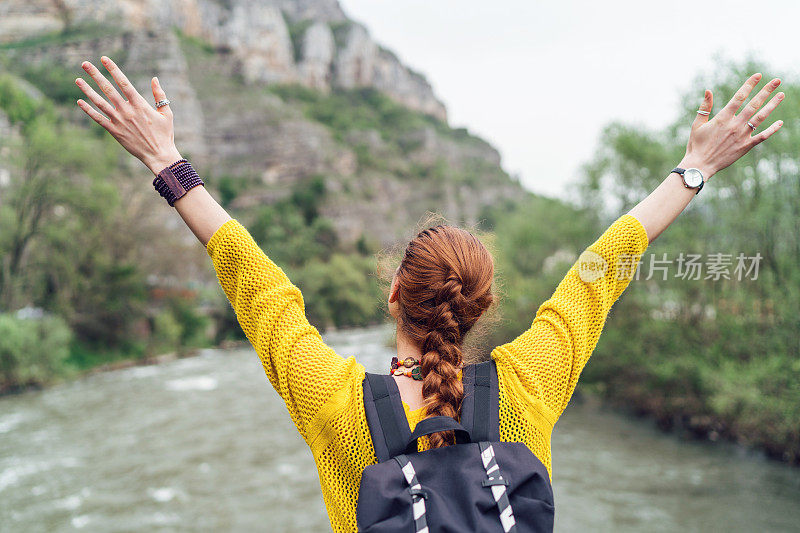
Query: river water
[[205, 444]]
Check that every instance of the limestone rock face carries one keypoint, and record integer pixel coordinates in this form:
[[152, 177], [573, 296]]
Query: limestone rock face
[[255, 32], [355, 62], [321, 10], [19, 20], [146, 54], [317, 53], [406, 86], [216, 59], [160, 55]]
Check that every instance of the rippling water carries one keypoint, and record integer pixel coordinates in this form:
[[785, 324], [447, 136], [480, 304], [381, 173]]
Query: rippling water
[[205, 444]]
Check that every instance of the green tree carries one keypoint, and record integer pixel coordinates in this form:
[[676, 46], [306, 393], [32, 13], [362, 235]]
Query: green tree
[[726, 348], [54, 170], [536, 240], [340, 292], [61, 222]]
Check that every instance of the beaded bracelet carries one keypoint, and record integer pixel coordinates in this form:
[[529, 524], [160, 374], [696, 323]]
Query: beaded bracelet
[[173, 182]]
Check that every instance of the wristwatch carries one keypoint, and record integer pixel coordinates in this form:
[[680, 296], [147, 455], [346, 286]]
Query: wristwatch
[[692, 178]]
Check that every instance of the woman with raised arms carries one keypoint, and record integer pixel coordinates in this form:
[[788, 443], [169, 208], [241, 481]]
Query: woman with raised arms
[[440, 288]]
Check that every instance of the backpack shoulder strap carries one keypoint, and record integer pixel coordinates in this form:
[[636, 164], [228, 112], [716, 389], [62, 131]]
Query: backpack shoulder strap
[[386, 417], [480, 410]]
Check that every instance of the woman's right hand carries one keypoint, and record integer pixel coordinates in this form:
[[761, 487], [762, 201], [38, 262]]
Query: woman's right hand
[[717, 143], [143, 130]]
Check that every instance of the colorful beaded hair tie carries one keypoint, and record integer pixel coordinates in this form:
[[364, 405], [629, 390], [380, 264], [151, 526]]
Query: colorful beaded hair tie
[[401, 368]]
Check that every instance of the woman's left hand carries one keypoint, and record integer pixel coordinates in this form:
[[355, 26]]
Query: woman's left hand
[[716, 143], [143, 130]]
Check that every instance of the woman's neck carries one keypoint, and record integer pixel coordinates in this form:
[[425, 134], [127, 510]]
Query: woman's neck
[[406, 348], [410, 389]]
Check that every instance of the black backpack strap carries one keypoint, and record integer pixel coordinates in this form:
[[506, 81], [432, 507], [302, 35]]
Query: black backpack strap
[[436, 424], [386, 417], [480, 410]]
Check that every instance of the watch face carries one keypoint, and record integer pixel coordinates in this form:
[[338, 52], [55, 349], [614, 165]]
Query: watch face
[[693, 177]]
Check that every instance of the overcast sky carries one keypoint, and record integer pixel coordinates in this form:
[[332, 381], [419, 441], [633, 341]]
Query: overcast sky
[[539, 80]]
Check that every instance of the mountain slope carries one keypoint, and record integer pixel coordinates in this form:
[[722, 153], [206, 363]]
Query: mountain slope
[[276, 92]]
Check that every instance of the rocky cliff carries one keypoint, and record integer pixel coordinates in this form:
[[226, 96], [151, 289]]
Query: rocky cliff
[[274, 92], [303, 41]]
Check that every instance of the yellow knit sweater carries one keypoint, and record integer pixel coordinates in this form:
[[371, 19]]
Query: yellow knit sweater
[[537, 371]]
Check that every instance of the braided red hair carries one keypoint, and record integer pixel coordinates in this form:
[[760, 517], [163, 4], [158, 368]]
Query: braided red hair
[[444, 285]]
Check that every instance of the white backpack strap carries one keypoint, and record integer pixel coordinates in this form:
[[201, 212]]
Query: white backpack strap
[[496, 481], [417, 494]]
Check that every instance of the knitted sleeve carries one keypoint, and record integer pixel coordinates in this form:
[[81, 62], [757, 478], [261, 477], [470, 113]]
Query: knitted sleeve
[[302, 369], [548, 358]]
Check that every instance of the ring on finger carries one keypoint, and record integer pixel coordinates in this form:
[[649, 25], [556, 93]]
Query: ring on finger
[[752, 126], [162, 103], [701, 112]]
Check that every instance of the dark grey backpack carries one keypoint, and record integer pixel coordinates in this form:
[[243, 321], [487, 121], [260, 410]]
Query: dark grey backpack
[[478, 484]]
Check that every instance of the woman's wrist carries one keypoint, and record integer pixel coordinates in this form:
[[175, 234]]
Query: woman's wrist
[[690, 161], [161, 161], [175, 180]]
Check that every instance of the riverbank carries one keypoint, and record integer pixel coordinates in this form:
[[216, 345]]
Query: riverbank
[[119, 363], [690, 418], [163, 358]]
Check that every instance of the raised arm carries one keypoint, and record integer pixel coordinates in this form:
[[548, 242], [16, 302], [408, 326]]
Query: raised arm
[[713, 145], [547, 360], [304, 371], [148, 134]]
